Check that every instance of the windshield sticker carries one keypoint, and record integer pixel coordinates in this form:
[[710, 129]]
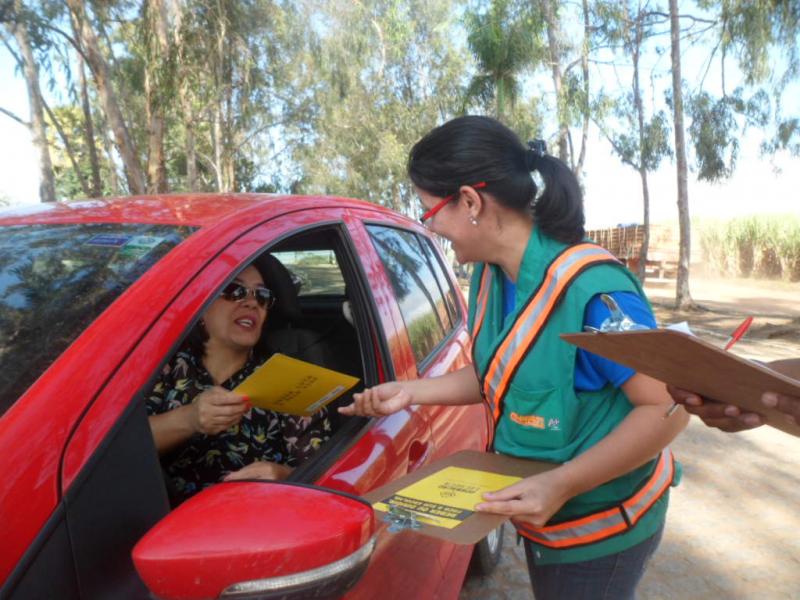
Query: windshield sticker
[[109, 239], [139, 245]]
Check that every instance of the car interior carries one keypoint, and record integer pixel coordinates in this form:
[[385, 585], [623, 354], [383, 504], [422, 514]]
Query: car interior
[[320, 316]]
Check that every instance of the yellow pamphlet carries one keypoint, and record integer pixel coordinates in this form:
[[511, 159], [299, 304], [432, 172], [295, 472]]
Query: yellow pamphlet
[[447, 497], [293, 386]]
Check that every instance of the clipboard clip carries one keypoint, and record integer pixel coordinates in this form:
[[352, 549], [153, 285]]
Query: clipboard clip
[[400, 519], [618, 321]]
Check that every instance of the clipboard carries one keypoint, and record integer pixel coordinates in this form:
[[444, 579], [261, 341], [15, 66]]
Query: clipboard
[[474, 526], [687, 362], [293, 386]]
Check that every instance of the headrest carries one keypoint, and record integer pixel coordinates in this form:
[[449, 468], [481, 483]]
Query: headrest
[[279, 280]]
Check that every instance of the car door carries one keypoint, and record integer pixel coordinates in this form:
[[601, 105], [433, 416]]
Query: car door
[[403, 279]]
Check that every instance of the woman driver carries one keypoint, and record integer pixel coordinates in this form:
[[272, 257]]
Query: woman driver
[[204, 432]]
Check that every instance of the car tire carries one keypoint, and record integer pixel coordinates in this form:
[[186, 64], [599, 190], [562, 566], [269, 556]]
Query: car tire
[[487, 553]]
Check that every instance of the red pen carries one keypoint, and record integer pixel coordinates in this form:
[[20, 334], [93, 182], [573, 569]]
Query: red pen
[[737, 334]]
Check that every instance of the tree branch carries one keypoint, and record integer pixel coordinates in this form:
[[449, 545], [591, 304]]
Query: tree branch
[[8, 113], [691, 17]]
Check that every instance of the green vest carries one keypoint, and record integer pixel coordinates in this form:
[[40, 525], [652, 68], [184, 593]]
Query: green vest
[[543, 417]]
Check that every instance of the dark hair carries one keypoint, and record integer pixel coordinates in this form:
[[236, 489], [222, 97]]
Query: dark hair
[[473, 149], [198, 336]]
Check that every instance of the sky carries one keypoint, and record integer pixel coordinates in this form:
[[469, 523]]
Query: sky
[[613, 190]]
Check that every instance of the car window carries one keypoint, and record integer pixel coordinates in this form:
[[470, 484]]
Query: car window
[[56, 279], [445, 283], [316, 272], [416, 287]]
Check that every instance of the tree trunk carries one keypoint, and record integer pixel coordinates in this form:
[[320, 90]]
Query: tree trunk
[[191, 154], [70, 152], [130, 160], [645, 247], [683, 298], [47, 188], [549, 8], [637, 101], [578, 168], [158, 64], [96, 189], [113, 178], [191, 184]]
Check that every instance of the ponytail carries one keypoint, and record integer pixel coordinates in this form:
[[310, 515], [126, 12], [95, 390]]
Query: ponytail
[[558, 204]]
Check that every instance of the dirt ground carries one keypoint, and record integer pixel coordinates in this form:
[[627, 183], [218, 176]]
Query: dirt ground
[[733, 521]]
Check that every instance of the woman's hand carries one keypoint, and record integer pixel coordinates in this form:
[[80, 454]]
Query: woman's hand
[[260, 469], [789, 405], [384, 399], [216, 410], [533, 500], [725, 417]]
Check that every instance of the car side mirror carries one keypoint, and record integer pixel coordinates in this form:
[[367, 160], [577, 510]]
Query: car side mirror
[[258, 539]]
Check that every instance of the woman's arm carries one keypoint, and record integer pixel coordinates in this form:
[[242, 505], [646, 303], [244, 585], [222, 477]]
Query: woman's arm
[[212, 412], [636, 440], [456, 387]]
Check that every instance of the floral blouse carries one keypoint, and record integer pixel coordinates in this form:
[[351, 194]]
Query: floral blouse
[[261, 434]]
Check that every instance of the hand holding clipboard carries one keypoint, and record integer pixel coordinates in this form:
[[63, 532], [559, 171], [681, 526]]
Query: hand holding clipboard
[[686, 362]]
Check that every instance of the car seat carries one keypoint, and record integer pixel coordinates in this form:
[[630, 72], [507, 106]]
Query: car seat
[[285, 331]]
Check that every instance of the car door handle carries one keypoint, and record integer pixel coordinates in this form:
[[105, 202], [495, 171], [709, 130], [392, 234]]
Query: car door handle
[[418, 454]]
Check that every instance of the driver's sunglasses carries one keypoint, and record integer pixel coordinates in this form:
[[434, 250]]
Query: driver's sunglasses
[[236, 292], [441, 204]]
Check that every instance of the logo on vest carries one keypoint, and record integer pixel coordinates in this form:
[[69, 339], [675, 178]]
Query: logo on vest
[[554, 425], [528, 420]]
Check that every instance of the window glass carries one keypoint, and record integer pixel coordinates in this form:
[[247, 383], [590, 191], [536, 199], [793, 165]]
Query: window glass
[[421, 302], [316, 272], [56, 279], [445, 285]]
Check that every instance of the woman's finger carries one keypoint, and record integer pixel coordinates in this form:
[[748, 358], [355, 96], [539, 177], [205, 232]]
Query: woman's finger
[[506, 507]]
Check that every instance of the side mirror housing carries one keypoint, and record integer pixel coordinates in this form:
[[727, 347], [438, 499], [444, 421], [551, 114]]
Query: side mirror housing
[[258, 539]]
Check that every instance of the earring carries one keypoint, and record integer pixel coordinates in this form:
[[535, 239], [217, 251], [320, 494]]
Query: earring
[[474, 221]]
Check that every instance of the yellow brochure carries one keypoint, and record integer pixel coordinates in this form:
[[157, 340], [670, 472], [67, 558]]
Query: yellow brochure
[[447, 497], [293, 386]]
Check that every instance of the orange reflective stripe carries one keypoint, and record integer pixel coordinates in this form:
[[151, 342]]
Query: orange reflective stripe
[[640, 503], [604, 524], [530, 322], [588, 538]]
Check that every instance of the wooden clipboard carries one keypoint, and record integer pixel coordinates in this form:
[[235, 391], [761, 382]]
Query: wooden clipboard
[[477, 525], [685, 361]]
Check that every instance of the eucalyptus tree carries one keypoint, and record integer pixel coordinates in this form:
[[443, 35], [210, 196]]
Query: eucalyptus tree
[[761, 39], [641, 142], [19, 20], [571, 88], [379, 75], [106, 90], [683, 298]]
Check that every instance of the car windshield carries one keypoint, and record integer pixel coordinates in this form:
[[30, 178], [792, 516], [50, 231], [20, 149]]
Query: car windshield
[[56, 279]]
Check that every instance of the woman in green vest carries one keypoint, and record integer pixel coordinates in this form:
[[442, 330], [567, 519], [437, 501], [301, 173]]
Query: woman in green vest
[[591, 524]]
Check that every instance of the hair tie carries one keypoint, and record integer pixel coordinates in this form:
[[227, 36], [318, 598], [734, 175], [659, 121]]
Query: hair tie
[[537, 149]]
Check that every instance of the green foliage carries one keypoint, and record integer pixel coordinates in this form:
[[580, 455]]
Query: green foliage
[[505, 42], [714, 134], [761, 246], [381, 75]]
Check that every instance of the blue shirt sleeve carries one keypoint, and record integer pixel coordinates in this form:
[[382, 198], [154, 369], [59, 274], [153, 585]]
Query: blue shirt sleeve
[[593, 372]]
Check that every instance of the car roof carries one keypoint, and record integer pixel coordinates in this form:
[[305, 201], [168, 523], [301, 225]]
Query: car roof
[[197, 210]]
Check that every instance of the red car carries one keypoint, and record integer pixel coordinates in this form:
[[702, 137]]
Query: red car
[[96, 296]]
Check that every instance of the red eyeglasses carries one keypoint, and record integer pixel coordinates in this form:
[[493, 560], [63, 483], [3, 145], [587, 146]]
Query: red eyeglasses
[[441, 204]]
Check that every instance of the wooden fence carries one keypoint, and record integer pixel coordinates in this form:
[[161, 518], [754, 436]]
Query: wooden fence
[[625, 242]]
